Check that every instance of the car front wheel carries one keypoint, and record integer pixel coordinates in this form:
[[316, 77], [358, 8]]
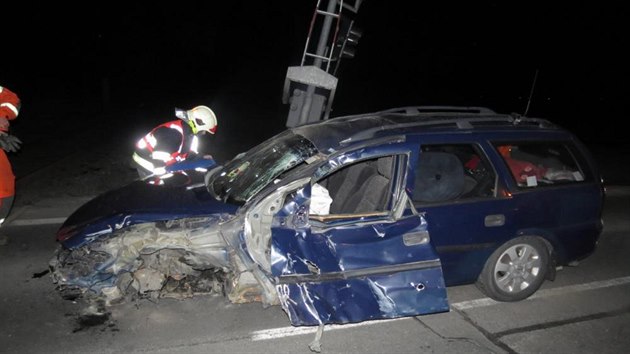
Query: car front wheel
[[515, 270]]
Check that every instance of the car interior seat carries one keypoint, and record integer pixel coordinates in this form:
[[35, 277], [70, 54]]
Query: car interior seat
[[373, 194], [345, 183], [439, 177]]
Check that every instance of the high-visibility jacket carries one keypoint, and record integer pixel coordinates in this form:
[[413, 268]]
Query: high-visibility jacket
[[9, 104], [9, 110], [7, 179], [165, 145]]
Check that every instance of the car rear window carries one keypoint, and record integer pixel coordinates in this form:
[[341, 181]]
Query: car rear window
[[536, 164]]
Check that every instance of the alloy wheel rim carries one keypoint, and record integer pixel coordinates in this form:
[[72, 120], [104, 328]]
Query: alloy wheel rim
[[517, 268]]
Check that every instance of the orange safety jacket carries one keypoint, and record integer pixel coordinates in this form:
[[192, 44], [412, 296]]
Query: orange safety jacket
[[9, 105], [165, 145], [9, 110]]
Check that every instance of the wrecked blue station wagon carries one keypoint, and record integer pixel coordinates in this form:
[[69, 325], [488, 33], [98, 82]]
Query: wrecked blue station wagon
[[349, 219]]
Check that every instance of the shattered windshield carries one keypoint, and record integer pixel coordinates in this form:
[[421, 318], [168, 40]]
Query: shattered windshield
[[246, 175]]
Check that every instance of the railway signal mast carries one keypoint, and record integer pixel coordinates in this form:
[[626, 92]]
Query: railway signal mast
[[309, 89]]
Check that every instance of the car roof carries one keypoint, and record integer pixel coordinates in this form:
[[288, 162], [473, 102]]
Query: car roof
[[332, 134]]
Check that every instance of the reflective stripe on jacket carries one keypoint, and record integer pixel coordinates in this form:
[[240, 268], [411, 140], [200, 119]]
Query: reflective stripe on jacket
[[9, 109], [9, 104], [165, 145]]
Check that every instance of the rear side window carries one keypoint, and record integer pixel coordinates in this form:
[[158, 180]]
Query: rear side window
[[537, 164], [452, 172]]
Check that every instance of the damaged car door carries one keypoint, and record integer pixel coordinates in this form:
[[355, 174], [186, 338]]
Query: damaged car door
[[369, 258]]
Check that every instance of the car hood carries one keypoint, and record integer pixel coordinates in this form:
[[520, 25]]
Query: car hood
[[135, 203]]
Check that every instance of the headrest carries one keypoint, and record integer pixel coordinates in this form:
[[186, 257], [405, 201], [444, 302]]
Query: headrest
[[439, 177], [384, 166]]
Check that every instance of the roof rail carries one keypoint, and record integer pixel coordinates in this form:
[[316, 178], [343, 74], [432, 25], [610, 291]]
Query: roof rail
[[438, 109], [458, 122]]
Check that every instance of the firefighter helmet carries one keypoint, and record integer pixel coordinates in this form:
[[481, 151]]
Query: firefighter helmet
[[202, 119]]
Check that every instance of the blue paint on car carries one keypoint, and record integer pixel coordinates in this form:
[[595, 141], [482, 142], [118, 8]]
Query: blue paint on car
[[419, 198]]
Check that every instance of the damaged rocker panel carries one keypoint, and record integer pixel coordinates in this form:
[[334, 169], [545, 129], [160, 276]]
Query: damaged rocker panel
[[349, 274]]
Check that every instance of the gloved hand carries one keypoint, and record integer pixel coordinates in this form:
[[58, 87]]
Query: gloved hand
[[9, 142], [4, 124]]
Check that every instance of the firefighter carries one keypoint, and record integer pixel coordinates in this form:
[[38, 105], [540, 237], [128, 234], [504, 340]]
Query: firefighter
[[173, 141], [9, 109]]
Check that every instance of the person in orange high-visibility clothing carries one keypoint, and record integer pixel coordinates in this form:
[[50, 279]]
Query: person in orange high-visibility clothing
[[172, 142], [9, 109]]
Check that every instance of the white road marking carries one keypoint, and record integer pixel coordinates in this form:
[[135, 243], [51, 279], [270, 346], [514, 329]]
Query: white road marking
[[274, 333], [466, 305], [30, 222]]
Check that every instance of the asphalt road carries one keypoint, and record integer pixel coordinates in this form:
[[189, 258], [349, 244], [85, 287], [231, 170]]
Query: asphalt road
[[586, 309]]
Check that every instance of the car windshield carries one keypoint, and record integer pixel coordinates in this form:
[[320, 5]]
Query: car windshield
[[246, 175]]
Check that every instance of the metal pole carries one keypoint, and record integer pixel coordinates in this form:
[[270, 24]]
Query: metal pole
[[321, 48], [323, 36]]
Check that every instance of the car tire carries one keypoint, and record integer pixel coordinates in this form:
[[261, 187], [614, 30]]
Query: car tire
[[515, 270]]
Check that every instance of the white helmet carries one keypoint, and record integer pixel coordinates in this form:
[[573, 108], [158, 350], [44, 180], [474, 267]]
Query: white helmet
[[203, 118]]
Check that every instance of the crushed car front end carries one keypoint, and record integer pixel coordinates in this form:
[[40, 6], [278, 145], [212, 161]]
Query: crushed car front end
[[145, 240], [155, 259], [176, 241]]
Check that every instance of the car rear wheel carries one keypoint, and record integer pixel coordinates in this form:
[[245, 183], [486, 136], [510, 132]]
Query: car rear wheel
[[515, 270]]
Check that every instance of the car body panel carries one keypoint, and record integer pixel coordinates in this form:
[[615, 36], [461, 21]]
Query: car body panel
[[568, 217], [358, 268], [254, 232], [135, 203]]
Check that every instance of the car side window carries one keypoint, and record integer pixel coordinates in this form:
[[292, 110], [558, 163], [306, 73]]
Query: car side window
[[450, 172], [535, 164], [361, 188]]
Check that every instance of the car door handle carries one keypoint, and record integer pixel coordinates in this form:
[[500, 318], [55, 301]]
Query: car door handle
[[494, 220], [416, 238]]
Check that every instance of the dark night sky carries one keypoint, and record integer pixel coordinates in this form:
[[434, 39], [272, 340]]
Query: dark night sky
[[411, 53]]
